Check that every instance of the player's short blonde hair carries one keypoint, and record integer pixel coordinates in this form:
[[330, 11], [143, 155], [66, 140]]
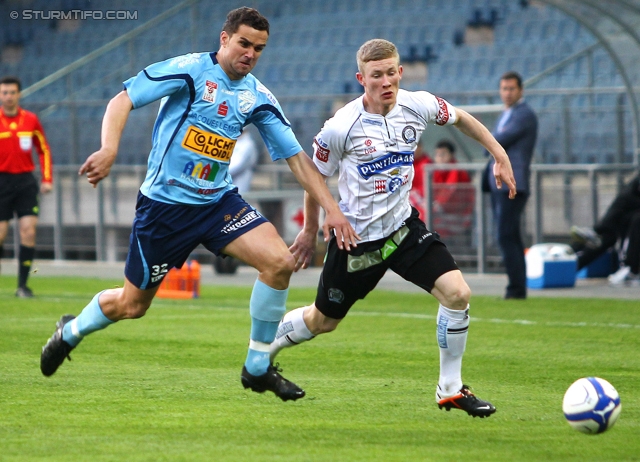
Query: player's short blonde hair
[[376, 50]]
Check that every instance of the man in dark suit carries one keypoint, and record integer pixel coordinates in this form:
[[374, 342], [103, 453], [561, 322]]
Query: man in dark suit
[[516, 131]]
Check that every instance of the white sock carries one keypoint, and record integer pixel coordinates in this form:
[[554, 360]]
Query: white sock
[[291, 331], [452, 332]]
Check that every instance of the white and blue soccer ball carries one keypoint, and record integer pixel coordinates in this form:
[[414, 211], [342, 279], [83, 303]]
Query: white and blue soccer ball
[[591, 405]]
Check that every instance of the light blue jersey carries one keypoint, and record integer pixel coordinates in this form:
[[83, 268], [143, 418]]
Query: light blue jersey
[[201, 115]]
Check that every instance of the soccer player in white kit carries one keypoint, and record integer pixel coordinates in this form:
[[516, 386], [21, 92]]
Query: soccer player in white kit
[[371, 140]]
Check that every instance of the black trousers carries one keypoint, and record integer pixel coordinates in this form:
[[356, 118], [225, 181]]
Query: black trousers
[[621, 222], [507, 215]]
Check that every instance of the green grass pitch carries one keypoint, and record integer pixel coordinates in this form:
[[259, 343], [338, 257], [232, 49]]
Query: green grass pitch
[[167, 386]]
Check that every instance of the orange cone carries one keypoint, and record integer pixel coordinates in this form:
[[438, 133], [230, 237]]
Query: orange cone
[[181, 283]]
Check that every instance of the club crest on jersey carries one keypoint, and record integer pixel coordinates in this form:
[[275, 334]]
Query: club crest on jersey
[[336, 295], [210, 90], [385, 163], [409, 134], [246, 100]]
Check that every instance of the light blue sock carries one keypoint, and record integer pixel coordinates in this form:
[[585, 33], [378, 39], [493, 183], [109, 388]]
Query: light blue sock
[[267, 306], [89, 320]]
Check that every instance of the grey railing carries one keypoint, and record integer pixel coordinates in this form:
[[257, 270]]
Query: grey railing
[[559, 197], [95, 223]]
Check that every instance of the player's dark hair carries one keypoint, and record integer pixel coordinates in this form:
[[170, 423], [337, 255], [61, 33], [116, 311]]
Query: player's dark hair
[[512, 75], [447, 145], [12, 80], [245, 16]]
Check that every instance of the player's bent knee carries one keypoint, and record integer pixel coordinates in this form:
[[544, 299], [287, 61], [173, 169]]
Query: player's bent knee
[[283, 265], [329, 325], [457, 297], [131, 309], [135, 310], [318, 323]]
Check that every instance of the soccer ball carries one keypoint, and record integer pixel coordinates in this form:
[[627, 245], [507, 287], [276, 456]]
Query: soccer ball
[[591, 405]]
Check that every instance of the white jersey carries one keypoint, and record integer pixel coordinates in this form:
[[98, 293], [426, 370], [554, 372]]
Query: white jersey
[[375, 156]]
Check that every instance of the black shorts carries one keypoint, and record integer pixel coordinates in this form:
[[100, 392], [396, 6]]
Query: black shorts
[[19, 194], [413, 252]]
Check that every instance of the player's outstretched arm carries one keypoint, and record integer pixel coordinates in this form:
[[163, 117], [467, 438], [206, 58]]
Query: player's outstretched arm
[[502, 170], [312, 181], [98, 165], [304, 246]]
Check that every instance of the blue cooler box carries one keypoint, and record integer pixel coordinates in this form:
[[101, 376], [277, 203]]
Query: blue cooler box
[[551, 265]]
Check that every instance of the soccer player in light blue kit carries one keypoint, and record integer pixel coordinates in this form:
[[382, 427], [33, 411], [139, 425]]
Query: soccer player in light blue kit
[[188, 197]]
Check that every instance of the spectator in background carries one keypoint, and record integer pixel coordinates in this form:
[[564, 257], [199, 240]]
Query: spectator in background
[[516, 131], [20, 132], [445, 153], [452, 204], [620, 223], [417, 193], [243, 162]]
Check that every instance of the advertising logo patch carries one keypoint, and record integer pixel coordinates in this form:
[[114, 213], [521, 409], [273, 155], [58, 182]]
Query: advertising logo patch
[[369, 148], [391, 185], [26, 142], [241, 222], [223, 109], [210, 90], [321, 153], [382, 164], [200, 171], [443, 112], [395, 183], [185, 60], [372, 122], [262, 89], [208, 144]]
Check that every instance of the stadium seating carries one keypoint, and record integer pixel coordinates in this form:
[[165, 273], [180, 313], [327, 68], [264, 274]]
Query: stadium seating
[[312, 52]]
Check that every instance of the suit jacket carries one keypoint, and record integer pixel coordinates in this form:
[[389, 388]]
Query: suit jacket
[[518, 138]]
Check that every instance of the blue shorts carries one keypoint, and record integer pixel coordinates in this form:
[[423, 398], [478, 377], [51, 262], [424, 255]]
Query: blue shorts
[[164, 235]]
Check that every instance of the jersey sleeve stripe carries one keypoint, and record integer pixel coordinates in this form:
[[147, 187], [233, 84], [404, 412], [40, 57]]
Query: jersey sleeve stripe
[[346, 138], [273, 110], [414, 112], [192, 96]]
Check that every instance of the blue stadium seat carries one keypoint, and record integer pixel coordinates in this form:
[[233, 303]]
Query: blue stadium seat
[[313, 44]]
